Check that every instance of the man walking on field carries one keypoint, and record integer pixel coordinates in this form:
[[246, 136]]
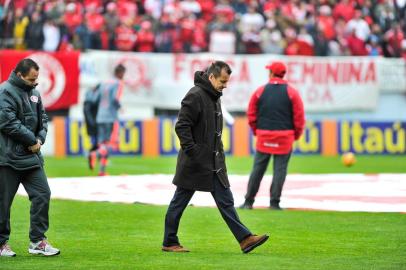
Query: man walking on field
[[201, 161]]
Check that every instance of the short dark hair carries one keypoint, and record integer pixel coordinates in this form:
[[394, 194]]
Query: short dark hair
[[216, 67], [120, 68], [25, 65]]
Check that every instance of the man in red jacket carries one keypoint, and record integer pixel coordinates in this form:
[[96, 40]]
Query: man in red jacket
[[276, 116]]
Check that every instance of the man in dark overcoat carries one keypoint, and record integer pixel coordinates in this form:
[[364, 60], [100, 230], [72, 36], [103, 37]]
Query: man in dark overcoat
[[201, 161]]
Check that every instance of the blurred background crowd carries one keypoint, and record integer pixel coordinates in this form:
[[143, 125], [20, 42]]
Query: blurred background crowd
[[311, 27]]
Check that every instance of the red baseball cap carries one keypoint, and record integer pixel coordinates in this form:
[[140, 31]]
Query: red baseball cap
[[277, 68]]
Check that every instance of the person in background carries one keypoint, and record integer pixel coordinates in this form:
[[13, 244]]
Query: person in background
[[21, 22], [276, 116], [34, 36], [201, 161], [90, 108], [23, 129], [108, 99]]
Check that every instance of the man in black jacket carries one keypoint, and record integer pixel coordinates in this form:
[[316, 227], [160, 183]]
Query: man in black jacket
[[201, 161], [23, 128]]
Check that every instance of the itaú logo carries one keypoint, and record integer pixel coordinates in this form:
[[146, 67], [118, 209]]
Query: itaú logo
[[52, 79]]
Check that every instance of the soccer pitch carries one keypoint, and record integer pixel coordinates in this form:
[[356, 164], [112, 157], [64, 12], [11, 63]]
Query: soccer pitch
[[77, 166], [128, 236]]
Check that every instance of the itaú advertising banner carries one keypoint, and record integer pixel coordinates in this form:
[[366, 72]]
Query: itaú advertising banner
[[58, 80], [162, 80], [372, 137], [78, 142]]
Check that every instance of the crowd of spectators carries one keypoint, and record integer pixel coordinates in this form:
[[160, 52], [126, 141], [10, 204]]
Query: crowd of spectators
[[312, 27]]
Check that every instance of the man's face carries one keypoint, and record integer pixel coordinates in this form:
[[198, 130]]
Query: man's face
[[120, 75], [220, 82], [31, 78]]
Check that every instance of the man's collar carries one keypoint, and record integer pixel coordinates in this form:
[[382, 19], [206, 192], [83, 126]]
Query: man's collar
[[277, 80]]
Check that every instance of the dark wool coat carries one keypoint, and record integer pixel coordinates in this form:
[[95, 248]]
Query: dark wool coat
[[199, 127]]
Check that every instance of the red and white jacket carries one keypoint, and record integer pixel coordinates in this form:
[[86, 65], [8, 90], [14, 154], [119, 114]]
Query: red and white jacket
[[276, 116]]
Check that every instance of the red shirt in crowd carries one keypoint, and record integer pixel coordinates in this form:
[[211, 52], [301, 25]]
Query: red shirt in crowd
[[299, 47], [326, 24], [125, 38], [95, 21], [72, 20], [126, 9], [394, 38], [145, 41], [187, 29], [207, 7], [96, 4], [356, 45], [199, 42], [345, 10]]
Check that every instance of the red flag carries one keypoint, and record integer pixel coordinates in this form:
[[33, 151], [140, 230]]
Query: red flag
[[58, 75]]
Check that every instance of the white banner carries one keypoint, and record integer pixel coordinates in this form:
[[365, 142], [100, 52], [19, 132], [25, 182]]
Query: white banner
[[335, 84], [327, 84], [392, 75]]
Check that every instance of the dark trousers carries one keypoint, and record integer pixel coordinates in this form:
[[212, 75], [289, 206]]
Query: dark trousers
[[280, 165], [224, 201], [36, 184]]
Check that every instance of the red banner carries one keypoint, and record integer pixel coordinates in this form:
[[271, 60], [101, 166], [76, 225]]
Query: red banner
[[58, 75]]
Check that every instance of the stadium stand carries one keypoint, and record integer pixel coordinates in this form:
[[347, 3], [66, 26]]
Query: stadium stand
[[320, 28]]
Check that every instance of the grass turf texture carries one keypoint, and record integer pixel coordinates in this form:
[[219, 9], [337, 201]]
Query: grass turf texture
[[77, 166], [125, 236]]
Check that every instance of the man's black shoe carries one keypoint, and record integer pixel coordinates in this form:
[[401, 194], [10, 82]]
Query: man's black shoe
[[275, 207], [246, 206]]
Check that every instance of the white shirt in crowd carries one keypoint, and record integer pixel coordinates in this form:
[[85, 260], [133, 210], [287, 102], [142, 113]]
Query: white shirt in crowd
[[52, 36]]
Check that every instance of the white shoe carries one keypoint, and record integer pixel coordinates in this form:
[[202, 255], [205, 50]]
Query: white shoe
[[44, 248], [5, 251]]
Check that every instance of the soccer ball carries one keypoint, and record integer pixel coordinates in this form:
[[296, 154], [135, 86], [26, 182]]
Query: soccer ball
[[348, 159]]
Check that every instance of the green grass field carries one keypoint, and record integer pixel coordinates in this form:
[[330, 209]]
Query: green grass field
[[128, 236], [77, 166]]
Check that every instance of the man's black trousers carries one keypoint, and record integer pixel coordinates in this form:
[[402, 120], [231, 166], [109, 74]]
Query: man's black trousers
[[36, 185], [224, 201]]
